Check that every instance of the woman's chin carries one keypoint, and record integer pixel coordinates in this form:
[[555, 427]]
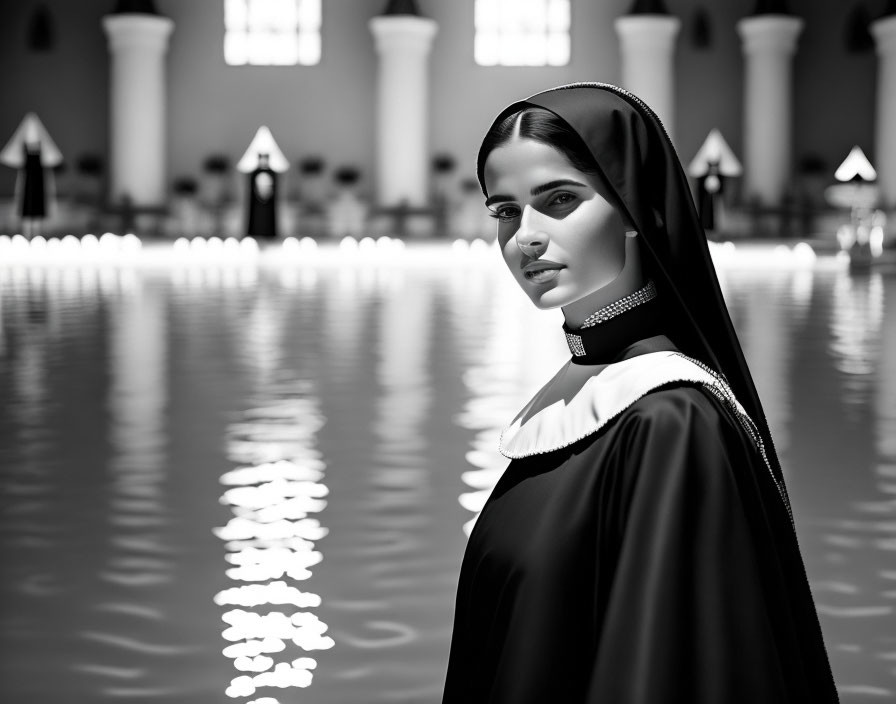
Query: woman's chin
[[551, 298]]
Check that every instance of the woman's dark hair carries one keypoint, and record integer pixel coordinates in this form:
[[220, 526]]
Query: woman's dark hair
[[542, 126]]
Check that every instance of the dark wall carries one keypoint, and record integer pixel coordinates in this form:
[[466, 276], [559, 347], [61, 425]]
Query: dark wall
[[66, 87], [834, 90], [329, 109]]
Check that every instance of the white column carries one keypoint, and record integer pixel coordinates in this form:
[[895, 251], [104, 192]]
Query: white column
[[769, 42], [137, 44], [884, 31], [647, 48], [403, 43]]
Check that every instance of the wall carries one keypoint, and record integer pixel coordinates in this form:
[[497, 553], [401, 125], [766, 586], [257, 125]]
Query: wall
[[325, 109], [467, 97], [834, 91], [708, 82], [329, 109], [67, 87]]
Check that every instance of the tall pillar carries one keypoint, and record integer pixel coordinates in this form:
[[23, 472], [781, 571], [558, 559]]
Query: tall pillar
[[884, 31], [768, 43], [402, 43], [647, 48], [137, 96]]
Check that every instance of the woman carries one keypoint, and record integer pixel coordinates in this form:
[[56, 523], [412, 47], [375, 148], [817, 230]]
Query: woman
[[639, 547]]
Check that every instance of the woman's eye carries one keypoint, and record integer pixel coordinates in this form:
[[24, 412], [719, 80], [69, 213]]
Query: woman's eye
[[562, 199], [506, 212]]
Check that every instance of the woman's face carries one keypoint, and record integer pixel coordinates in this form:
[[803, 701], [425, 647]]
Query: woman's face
[[576, 238]]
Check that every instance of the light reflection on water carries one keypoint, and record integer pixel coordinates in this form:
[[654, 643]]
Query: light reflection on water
[[238, 482]]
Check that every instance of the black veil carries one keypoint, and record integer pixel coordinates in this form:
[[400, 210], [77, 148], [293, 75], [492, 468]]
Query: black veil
[[641, 169]]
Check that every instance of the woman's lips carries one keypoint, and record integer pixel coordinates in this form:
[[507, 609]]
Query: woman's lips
[[542, 275]]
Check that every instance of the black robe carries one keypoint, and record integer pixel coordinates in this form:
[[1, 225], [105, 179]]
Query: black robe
[[34, 203], [262, 205], [651, 562]]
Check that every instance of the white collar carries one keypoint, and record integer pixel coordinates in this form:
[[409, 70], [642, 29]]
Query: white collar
[[600, 399]]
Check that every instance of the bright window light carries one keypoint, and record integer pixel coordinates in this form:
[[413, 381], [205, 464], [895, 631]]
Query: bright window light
[[272, 32], [522, 32]]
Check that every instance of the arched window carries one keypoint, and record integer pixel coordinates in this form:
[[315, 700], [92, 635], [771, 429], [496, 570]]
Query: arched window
[[522, 32], [272, 32]]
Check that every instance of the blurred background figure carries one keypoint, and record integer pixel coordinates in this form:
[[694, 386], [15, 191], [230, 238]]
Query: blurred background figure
[[263, 161], [33, 153], [263, 200], [712, 166]]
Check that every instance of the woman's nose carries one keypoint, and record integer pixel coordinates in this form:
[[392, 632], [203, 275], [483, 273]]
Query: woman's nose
[[532, 241]]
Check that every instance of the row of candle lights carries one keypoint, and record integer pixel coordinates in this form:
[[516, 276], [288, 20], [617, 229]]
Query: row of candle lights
[[110, 248]]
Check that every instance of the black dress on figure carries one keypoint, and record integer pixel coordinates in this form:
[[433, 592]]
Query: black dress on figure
[[711, 186], [263, 201], [34, 202], [639, 548]]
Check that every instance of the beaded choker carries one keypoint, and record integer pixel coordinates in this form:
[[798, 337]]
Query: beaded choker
[[604, 334]]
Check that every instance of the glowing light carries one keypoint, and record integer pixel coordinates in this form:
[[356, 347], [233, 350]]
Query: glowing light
[[271, 593], [311, 470], [71, 244], [366, 245], [855, 165], [294, 674], [804, 254], [276, 491], [474, 500], [269, 537], [198, 245], [522, 32], [781, 251], [239, 528], [302, 628], [231, 247], [272, 32], [90, 242], [479, 246], [216, 246], [277, 556], [251, 648], [259, 663]]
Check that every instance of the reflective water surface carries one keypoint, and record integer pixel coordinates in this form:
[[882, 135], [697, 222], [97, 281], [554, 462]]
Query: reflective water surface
[[254, 483]]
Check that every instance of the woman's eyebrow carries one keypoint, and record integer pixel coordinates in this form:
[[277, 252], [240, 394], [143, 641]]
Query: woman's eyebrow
[[496, 199], [538, 190]]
